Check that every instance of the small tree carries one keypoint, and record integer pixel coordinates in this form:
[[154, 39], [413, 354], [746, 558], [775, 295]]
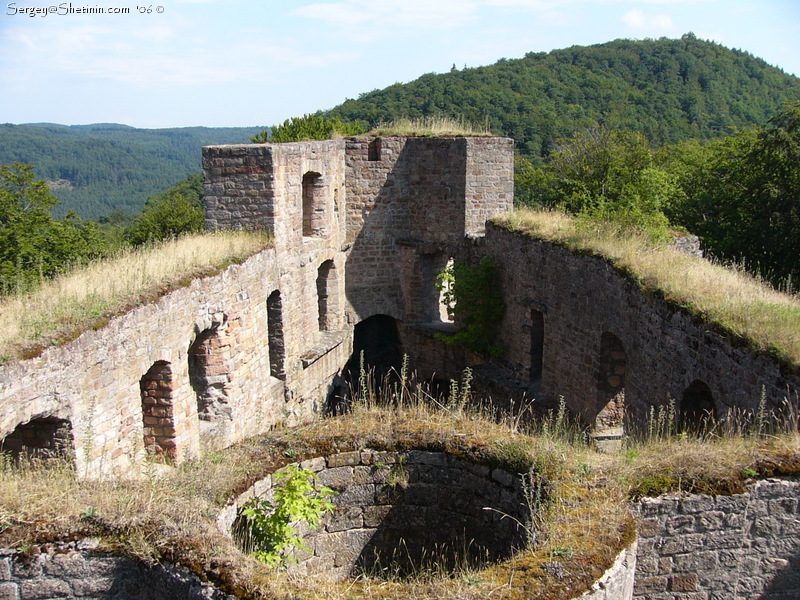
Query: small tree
[[273, 526], [34, 245]]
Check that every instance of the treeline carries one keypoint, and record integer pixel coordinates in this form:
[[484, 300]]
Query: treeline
[[740, 194], [669, 90], [95, 170], [35, 245]]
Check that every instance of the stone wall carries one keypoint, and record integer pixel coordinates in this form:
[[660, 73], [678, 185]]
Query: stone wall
[[595, 333], [70, 573], [409, 207], [98, 384], [395, 511], [361, 229], [617, 583], [732, 547]]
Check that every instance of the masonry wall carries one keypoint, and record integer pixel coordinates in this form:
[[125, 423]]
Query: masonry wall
[[70, 573], [603, 334], [95, 382], [706, 547], [411, 205]]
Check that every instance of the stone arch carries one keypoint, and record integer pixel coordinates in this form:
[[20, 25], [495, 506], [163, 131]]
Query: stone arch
[[209, 374], [277, 348], [611, 381], [377, 338], [697, 406], [328, 300], [157, 387], [537, 345], [314, 205], [45, 437]]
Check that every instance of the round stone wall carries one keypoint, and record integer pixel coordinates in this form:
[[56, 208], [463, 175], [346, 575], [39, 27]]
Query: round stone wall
[[399, 513]]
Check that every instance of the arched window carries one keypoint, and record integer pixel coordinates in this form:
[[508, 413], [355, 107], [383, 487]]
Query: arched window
[[698, 408], [327, 296], [611, 381], [537, 345], [159, 427]]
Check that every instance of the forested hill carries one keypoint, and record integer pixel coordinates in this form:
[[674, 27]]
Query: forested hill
[[96, 169], [668, 89]]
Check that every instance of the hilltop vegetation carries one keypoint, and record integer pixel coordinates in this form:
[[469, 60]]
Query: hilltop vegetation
[[95, 170], [669, 90]]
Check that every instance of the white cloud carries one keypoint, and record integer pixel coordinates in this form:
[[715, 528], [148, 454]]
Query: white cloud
[[641, 21], [370, 19]]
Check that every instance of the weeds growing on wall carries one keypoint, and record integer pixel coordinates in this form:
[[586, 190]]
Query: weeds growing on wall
[[87, 298], [581, 522], [726, 296], [272, 527], [474, 300], [430, 127]]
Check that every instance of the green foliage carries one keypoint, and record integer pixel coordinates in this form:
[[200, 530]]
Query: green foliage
[[273, 526], [308, 127], [97, 169], [175, 212], [669, 90], [742, 196], [604, 175], [473, 297], [34, 245]]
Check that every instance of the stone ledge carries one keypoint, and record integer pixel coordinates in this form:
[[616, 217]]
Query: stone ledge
[[328, 341]]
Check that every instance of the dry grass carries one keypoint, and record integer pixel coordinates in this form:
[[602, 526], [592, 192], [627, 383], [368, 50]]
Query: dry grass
[[60, 309], [429, 127], [170, 514], [736, 301]]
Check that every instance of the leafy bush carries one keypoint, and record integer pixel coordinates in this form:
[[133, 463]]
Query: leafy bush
[[308, 127], [273, 526], [175, 212]]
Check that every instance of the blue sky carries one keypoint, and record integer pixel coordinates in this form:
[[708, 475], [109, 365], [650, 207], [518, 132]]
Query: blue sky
[[258, 62]]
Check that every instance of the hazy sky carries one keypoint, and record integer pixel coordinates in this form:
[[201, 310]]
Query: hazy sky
[[258, 62]]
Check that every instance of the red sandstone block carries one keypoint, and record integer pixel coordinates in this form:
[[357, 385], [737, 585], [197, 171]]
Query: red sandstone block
[[683, 583]]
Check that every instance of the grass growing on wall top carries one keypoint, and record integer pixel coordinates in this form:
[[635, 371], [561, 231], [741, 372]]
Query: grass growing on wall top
[[429, 127], [728, 296], [169, 513], [60, 309]]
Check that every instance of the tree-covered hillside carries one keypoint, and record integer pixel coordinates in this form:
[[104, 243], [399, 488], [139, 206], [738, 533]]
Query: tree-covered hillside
[[669, 90], [97, 169]]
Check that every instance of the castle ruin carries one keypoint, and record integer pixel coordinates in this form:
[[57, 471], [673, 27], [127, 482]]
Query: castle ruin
[[362, 227]]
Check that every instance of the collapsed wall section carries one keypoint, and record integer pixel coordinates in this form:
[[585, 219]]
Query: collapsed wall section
[[576, 327]]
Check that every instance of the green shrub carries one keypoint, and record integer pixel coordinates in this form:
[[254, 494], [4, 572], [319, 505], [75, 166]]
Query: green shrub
[[273, 526]]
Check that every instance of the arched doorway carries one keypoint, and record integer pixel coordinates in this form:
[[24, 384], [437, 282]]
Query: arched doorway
[[698, 409]]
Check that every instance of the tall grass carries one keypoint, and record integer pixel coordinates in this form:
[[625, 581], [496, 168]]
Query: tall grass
[[726, 295], [430, 127], [61, 308], [581, 518]]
